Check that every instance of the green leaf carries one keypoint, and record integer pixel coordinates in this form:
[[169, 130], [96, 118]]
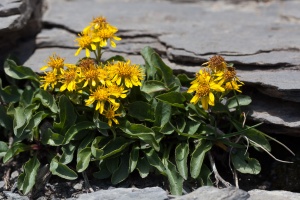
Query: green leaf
[[112, 164], [5, 120], [96, 152], [36, 120], [19, 72], [143, 167], [3, 149], [27, 96], [83, 159], [152, 86], [115, 58], [115, 146], [15, 150], [68, 153], [52, 138], [141, 111], [167, 129], [173, 98], [134, 156], [244, 164], [27, 180], [67, 115], [163, 113], [62, 170], [103, 173], [197, 157], [175, 179], [143, 133], [181, 156], [76, 128], [242, 99], [205, 176], [154, 160], [9, 94], [47, 100], [154, 61], [122, 171]]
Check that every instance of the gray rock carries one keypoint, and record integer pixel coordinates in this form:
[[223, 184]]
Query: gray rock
[[126, 193], [212, 193], [14, 196], [274, 195]]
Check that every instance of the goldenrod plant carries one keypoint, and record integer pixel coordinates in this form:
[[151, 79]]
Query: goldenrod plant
[[115, 117]]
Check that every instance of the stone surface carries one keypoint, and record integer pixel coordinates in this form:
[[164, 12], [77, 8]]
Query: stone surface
[[273, 195], [20, 20], [126, 193], [212, 193]]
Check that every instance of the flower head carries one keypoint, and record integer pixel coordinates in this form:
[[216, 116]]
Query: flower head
[[55, 62], [85, 42], [204, 91], [111, 115], [101, 95], [125, 73], [70, 78], [216, 63], [49, 79]]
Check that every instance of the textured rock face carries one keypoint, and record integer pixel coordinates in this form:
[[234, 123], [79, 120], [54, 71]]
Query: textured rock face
[[20, 19]]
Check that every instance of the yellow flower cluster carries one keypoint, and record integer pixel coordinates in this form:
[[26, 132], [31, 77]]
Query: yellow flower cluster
[[216, 79], [95, 36], [104, 84]]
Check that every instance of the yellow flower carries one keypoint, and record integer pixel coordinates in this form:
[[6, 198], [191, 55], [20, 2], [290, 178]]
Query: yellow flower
[[117, 91], [216, 63], [90, 75], [103, 35], [233, 85], [49, 79], [55, 62], [204, 92], [85, 42], [124, 72], [101, 95], [70, 78], [111, 115]]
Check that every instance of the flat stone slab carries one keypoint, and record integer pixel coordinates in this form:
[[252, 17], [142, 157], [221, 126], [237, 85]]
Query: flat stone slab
[[273, 195]]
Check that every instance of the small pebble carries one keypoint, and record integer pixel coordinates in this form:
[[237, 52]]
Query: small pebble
[[14, 175], [78, 186]]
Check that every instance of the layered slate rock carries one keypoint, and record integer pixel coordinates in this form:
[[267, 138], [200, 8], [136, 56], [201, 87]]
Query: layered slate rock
[[20, 19], [259, 37]]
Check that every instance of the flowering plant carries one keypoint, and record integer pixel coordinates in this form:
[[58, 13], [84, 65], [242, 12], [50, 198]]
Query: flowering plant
[[115, 117]]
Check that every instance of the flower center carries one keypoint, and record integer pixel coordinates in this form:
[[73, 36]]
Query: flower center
[[203, 90], [101, 94]]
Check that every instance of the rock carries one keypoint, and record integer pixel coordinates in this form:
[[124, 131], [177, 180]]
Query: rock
[[19, 20], [14, 175], [78, 186], [126, 193], [274, 195], [213, 193], [2, 184], [14, 196]]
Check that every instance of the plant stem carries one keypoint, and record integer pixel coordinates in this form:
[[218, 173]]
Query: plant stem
[[87, 183], [217, 175]]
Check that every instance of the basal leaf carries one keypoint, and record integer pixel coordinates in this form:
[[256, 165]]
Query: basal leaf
[[96, 152], [62, 170], [163, 113], [134, 156], [197, 157], [115, 146], [68, 153], [83, 159], [76, 128], [27, 181], [141, 111], [154, 160], [19, 72], [175, 179], [67, 115], [5, 120], [181, 156], [241, 100], [15, 150], [52, 138], [123, 170], [143, 167], [3, 149], [9, 94], [154, 60], [173, 98], [47, 100], [244, 164], [152, 86]]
